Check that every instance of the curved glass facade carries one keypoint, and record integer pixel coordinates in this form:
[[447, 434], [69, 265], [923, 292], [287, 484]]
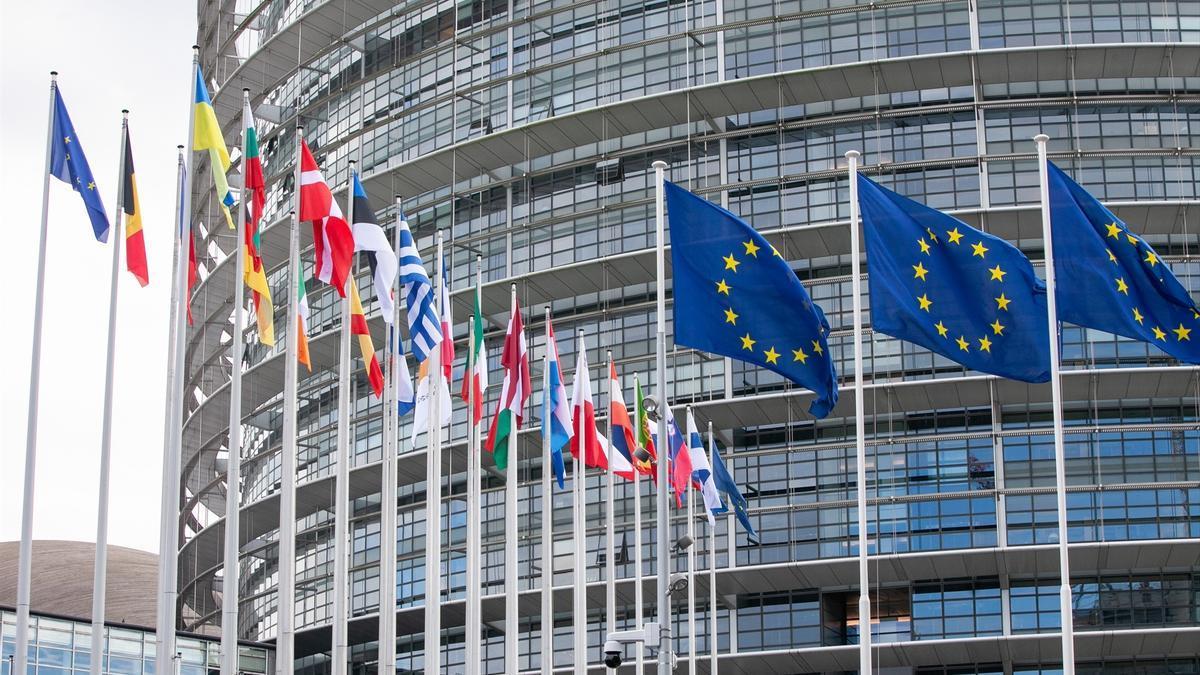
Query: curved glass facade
[[525, 130]]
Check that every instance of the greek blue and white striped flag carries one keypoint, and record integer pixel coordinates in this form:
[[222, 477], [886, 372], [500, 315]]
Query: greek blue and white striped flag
[[424, 325]]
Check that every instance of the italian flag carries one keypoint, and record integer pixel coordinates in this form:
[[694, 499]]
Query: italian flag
[[302, 319], [510, 408], [475, 381]]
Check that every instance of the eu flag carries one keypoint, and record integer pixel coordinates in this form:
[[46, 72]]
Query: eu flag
[[736, 296], [1112, 280], [70, 165], [940, 283]]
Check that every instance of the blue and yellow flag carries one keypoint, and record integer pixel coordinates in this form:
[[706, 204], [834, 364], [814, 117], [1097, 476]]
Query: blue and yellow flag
[[70, 165], [206, 135], [1112, 280], [940, 283], [737, 297]]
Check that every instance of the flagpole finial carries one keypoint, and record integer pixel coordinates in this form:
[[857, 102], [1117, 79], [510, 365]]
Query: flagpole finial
[[514, 287], [125, 112], [659, 164], [853, 154], [397, 200], [300, 128], [53, 74], [1041, 138]]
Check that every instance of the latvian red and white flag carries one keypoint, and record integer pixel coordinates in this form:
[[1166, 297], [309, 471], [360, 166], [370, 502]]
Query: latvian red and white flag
[[332, 236], [583, 416]]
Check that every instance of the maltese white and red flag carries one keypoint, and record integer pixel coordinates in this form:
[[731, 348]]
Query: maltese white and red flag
[[332, 236]]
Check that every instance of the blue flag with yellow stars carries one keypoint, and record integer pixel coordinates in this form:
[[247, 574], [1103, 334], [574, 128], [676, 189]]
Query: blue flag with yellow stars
[[940, 283], [1112, 280], [70, 165], [737, 297]]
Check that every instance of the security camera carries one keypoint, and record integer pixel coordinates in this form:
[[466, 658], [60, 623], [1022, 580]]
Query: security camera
[[642, 455], [683, 543], [612, 654], [679, 583], [650, 405]]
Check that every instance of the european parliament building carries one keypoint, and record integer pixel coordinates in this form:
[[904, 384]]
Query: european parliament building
[[524, 130]]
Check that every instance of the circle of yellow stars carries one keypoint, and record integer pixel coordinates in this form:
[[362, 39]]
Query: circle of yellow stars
[[748, 343], [997, 273], [1119, 233]]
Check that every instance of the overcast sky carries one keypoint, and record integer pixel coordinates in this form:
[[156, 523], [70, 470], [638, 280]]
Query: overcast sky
[[109, 55]]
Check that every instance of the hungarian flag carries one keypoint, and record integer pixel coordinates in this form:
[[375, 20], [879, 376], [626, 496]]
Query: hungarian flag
[[645, 438], [332, 236], [583, 416], [511, 406], [302, 319], [358, 326], [135, 243], [622, 428], [253, 273], [475, 380]]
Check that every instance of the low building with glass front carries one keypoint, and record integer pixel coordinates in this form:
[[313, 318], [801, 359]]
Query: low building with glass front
[[524, 130]]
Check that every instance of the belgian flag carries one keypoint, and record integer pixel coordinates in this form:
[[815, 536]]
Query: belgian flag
[[135, 243]]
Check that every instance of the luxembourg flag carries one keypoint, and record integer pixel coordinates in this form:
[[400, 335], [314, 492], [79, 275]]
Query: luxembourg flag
[[678, 456], [556, 419], [702, 475], [622, 428], [583, 416]]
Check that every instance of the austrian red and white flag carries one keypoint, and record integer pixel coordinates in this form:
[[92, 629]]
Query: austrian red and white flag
[[332, 236], [583, 417]]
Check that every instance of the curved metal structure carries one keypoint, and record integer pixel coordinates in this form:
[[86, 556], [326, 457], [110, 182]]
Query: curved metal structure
[[525, 132]]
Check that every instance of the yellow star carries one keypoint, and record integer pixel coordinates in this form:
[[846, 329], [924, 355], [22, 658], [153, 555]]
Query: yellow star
[[1114, 230], [775, 252], [91, 185], [955, 236], [68, 156], [1002, 302], [1151, 258], [1195, 314], [1137, 316], [731, 317], [1132, 239], [799, 355], [1122, 287], [817, 348], [722, 287], [1182, 333], [963, 344], [932, 236], [66, 139], [978, 249], [731, 263], [1159, 334], [919, 271], [925, 301], [924, 246], [748, 342], [751, 248], [997, 327], [772, 355], [941, 328], [985, 345], [997, 274], [1112, 258]]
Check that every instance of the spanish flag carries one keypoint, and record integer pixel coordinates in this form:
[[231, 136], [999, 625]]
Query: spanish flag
[[135, 243], [255, 189], [358, 326], [207, 136]]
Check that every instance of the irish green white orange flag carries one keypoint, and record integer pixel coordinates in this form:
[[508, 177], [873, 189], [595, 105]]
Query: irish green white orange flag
[[511, 406]]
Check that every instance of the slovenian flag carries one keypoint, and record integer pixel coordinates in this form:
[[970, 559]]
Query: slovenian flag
[[556, 419], [680, 461]]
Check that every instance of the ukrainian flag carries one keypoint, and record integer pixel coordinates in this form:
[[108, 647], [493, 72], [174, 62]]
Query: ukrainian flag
[[206, 135]]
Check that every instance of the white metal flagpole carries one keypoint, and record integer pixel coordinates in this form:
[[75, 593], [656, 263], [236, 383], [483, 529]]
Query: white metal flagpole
[[341, 519], [864, 588], [1060, 493], [387, 588], [547, 621], [712, 575], [663, 553], [99, 577], [433, 493], [230, 592], [610, 566], [579, 568], [691, 576], [169, 502], [638, 600], [512, 624], [25, 568], [474, 469]]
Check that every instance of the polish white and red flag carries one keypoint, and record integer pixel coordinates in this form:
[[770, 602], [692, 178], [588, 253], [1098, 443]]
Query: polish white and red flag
[[332, 236]]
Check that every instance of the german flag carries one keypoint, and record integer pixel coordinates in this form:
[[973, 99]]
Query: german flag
[[358, 326], [135, 243]]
